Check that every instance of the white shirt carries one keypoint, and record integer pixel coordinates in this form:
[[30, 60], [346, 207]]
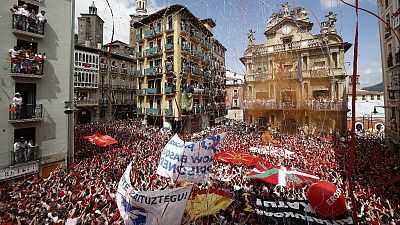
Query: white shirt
[[13, 53], [41, 17], [17, 101], [22, 11], [17, 146]]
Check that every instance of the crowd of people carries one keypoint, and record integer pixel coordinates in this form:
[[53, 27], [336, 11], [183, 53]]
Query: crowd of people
[[84, 193], [27, 19]]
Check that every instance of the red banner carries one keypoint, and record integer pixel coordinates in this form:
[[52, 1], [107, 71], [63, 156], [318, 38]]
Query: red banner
[[101, 140], [238, 158]]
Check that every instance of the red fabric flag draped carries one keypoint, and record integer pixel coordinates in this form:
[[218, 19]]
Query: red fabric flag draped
[[281, 70], [238, 158], [101, 140]]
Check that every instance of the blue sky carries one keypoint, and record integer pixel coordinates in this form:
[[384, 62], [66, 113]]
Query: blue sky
[[235, 18]]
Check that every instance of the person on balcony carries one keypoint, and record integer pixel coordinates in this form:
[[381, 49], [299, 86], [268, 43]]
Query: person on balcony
[[32, 22], [17, 103], [17, 147], [41, 21], [13, 53]]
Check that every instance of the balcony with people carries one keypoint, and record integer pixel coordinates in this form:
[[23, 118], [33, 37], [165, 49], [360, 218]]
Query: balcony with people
[[19, 113], [26, 63], [24, 152], [28, 21]]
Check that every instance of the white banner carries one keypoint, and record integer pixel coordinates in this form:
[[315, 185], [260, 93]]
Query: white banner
[[188, 161], [150, 207]]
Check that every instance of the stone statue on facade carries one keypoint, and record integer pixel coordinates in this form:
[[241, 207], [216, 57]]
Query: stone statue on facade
[[300, 14], [250, 36], [331, 19], [286, 10], [273, 20]]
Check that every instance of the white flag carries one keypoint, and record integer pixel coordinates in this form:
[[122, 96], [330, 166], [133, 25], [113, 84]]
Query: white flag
[[150, 207], [188, 161]]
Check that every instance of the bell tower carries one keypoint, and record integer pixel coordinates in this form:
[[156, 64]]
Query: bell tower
[[141, 6]]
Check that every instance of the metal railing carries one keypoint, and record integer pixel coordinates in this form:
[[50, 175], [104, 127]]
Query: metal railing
[[26, 66], [25, 112], [85, 102], [103, 102], [25, 155], [23, 23], [153, 111], [308, 105], [168, 112]]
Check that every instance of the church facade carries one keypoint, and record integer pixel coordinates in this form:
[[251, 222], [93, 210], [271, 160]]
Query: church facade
[[296, 78]]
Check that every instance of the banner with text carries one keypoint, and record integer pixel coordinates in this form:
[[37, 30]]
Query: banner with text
[[188, 161], [150, 207], [286, 212]]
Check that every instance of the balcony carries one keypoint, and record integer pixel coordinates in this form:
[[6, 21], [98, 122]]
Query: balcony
[[140, 92], [152, 91], [139, 110], [103, 102], [168, 90], [168, 112], [82, 103], [139, 37], [114, 71], [138, 73], [308, 105], [28, 68], [150, 71], [390, 60], [152, 32], [198, 109], [170, 68], [185, 48], [103, 68], [397, 58], [124, 71], [25, 26], [25, 113], [139, 54], [152, 51], [169, 47], [185, 69], [25, 155], [153, 112]]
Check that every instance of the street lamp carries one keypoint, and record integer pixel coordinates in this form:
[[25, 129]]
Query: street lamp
[[69, 111]]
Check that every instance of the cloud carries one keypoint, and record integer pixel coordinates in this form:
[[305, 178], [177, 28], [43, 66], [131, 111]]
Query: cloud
[[122, 9], [370, 72], [328, 4]]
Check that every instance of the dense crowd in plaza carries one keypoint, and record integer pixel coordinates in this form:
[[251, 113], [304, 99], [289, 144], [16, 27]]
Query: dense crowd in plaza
[[84, 193]]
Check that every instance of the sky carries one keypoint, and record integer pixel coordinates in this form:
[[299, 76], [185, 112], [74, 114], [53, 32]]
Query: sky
[[234, 19]]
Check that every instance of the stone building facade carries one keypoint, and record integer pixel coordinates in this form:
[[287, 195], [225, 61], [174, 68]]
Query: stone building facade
[[296, 78], [235, 87], [176, 71], [104, 74], [389, 10]]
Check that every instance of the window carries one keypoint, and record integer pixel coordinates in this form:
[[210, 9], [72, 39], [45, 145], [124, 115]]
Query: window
[[378, 97], [169, 22], [235, 103], [363, 97], [386, 4], [235, 93], [335, 59], [372, 97]]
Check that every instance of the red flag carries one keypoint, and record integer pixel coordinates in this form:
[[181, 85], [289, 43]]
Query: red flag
[[86, 65], [281, 70], [101, 140], [238, 158]]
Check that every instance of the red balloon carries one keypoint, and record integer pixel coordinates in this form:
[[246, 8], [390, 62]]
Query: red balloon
[[326, 199]]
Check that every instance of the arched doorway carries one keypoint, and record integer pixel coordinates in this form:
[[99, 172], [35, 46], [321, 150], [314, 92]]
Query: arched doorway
[[289, 126], [84, 116]]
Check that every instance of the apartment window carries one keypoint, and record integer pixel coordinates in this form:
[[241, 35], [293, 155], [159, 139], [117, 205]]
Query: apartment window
[[386, 4], [378, 97], [372, 97], [169, 22], [235, 103], [235, 93], [363, 97], [335, 59]]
